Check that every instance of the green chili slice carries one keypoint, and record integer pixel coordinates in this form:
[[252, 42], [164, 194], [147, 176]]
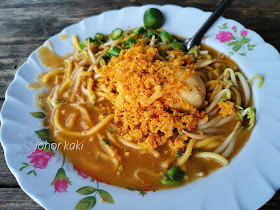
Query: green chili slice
[[178, 45], [131, 40], [166, 38], [116, 34], [100, 38]]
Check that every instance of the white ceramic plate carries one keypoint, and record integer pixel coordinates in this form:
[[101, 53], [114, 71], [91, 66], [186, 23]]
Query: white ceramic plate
[[249, 181]]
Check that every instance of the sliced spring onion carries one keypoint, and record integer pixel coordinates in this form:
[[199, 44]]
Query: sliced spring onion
[[105, 142], [111, 130], [178, 45], [116, 34], [150, 33], [250, 81], [114, 51], [131, 40], [165, 37], [82, 45], [100, 38], [138, 31], [178, 154], [93, 99], [105, 59], [170, 182]]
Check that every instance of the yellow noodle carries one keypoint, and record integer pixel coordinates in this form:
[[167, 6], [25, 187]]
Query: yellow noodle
[[64, 85], [84, 111], [76, 43], [213, 145], [89, 88], [84, 133], [146, 171], [70, 120], [69, 68], [187, 153], [213, 156], [135, 146], [109, 150], [86, 73], [51, 74], [206, 141]]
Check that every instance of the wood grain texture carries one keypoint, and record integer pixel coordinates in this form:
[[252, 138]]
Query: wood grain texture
[[26, 24]]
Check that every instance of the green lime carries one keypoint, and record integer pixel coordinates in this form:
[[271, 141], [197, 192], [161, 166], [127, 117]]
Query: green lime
[[153, 18]]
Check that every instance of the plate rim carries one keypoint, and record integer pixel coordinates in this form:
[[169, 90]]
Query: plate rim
[[5, 146]]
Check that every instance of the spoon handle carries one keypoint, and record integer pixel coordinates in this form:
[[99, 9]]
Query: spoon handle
[[196, 39]]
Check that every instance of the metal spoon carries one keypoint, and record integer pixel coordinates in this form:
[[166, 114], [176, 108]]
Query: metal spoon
[[196, 39]]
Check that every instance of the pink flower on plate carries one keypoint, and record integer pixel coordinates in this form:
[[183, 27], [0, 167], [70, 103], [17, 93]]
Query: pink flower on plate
[[233, 27], [82, 174], [224, 36], [244, 33], [40, 158], [203, 39], [60, 185]]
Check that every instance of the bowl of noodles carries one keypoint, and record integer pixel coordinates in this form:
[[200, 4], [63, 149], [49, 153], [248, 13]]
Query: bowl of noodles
[[120, 115]]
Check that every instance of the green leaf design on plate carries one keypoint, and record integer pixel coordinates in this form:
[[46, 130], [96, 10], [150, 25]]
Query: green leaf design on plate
[[86, 203], [233, 43], [23, 167], [40, 115], [237, 47], [251, 49], [106, 196], [30, 172], [253, 45], [245, 40], [44, 135], [86, 190]]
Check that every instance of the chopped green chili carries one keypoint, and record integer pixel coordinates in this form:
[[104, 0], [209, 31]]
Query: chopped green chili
[[114, 51], [178, 45], [116, 34], [172, 176], [111, 130], [166, 38], [100, 38], [131, 40]]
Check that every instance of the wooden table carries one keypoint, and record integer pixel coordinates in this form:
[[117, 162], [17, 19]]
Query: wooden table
[[26, 24]]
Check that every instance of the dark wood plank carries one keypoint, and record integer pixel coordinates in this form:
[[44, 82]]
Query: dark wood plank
[[15, 198], [26, 24]]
